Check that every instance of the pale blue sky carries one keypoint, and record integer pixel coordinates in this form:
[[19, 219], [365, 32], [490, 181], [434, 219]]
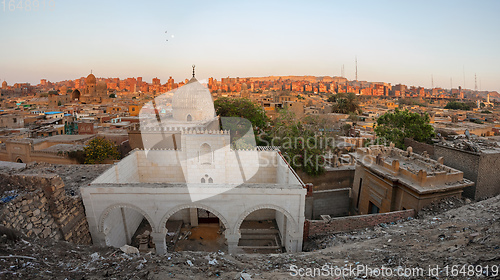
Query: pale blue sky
[[394, 41]]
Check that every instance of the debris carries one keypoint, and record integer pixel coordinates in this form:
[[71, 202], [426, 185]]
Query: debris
[[127, 249], [19, 257], [189, 262], [243, 276], [95, 257]]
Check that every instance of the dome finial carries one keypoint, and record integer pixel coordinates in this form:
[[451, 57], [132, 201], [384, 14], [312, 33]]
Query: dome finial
[[193, 69]]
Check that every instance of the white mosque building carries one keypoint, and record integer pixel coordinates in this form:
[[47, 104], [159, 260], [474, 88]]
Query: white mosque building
[[188, 174]]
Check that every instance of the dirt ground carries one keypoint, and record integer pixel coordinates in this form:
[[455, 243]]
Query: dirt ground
[[467, 235], [455, 239]]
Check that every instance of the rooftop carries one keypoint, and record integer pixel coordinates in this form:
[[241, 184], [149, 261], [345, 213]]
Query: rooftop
[[473, 144], [420, 173]]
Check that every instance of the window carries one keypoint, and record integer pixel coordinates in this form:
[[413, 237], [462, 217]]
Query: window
[[205, 154], [189, 118], [207, 178]]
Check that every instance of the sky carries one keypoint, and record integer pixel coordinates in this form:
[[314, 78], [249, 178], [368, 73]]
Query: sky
[[408, 42]]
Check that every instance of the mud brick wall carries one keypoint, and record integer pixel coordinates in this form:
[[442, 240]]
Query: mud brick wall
[[42, 209], [343, 224]]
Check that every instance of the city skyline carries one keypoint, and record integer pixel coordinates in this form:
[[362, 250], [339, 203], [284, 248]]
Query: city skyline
[[409, 43]]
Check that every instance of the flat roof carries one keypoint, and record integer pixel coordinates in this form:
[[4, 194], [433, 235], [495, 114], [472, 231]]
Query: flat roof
[[197, 185]]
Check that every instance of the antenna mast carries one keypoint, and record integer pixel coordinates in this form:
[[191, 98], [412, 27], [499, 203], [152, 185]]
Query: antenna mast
[[356, 60], [475, 82]]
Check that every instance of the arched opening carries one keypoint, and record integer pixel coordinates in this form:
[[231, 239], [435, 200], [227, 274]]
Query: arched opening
[[195, 229], [19, 160], [75, 95], [189, 118], [205, 154], [263, 231], [127, 226]]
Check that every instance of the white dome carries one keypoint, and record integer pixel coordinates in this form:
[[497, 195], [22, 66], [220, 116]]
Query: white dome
[[192, 102]]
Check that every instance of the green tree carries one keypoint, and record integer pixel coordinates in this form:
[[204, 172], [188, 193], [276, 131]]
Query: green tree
[[455, 105], [395, 127], [245, 109], [100, 149], [303, 143], [345, 103]]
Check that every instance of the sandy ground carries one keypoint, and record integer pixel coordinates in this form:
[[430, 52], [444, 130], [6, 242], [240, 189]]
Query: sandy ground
[[451, 240], [468, 235]]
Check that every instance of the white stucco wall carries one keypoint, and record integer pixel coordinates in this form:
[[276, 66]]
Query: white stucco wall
[[159, 203]]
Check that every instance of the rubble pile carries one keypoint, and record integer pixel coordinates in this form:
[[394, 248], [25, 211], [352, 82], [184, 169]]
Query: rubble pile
[[450, 233], [73, 176], [473, 144]]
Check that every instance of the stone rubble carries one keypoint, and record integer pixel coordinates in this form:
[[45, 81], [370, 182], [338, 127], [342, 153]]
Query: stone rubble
[[453, 232]]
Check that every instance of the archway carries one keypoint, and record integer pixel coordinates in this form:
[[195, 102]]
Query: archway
[[19, 160], [75, 95], [189, 118], [264, 230], [127, 225], [195, 229]]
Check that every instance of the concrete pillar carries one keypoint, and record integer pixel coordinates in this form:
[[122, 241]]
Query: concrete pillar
[[98, 238], [294, 243], [160, 243], [232, 242], [193, 216]]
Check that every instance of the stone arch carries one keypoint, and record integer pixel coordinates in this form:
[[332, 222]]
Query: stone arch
[[108, 210], [19, 160], [264, 206], [189, 118], [164, 219]]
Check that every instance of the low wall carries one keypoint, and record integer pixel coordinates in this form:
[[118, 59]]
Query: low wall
[[338, 178], [419, 147], [42, 209], [343, 224]]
